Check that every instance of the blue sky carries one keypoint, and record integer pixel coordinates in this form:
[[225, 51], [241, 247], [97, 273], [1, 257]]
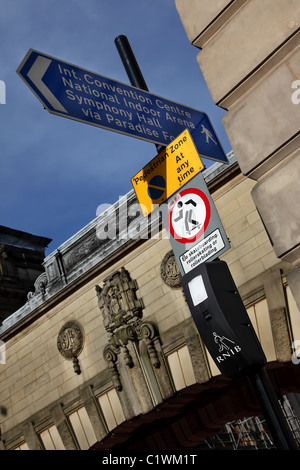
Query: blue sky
[[55, 172]]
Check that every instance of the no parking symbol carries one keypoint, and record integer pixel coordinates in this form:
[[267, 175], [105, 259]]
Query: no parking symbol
[[156, 187]]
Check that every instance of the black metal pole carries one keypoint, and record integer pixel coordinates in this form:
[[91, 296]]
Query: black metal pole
[[131, 67], [130, 64], [266, 396]]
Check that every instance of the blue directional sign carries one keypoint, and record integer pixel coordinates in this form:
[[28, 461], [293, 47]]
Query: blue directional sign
[[79, 94]]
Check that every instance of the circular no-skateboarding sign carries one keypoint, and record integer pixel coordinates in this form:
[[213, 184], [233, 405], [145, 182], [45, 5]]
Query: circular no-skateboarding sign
[[189, 215]]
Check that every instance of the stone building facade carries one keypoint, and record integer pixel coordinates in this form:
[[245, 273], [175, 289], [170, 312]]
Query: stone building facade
[[250, 58], [105, 355]]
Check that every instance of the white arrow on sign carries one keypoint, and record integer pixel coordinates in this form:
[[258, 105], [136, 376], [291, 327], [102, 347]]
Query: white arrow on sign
[[36, 73]]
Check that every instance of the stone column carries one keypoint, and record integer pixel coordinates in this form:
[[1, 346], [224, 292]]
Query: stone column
[[94, 412], [31, 437], [64, 428], [278, 316]]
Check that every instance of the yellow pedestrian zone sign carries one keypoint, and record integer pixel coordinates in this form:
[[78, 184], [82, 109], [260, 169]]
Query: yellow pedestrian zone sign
[[172, 168]]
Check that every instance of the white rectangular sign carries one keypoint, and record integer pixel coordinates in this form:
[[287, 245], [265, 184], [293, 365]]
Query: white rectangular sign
[[202, 251], [194, 227]]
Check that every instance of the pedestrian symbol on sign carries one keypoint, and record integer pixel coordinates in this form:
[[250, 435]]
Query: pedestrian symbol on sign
[[208, 135], [222, 342]]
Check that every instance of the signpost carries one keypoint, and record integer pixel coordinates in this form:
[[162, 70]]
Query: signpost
[[167, 172], [196, 233], [79, 94], [195, 229]]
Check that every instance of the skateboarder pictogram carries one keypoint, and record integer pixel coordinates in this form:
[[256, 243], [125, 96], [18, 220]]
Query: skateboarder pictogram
[[190, 221], [189, 215]]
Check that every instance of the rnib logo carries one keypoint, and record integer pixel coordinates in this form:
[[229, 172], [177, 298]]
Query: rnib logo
[[2, 92], [226, 347]]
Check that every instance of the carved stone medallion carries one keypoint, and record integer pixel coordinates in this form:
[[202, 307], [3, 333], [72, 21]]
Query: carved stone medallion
[[169, 270], [70, 340]]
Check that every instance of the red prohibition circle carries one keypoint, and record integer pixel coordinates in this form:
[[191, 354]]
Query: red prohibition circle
[[206, 221]]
